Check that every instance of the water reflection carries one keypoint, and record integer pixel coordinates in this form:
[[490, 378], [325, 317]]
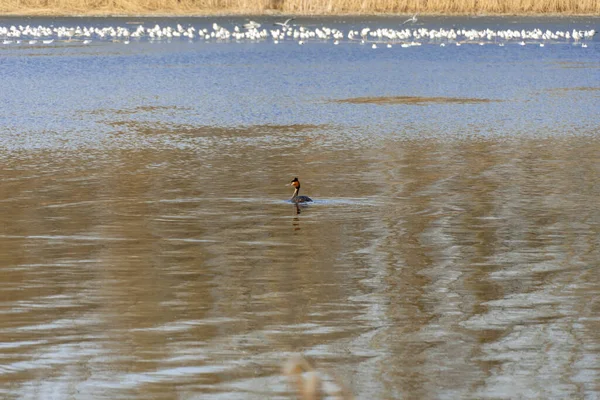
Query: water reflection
[[445, 269], [149, 250]]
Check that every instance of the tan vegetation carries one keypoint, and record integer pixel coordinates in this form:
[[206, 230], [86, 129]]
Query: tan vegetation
[[307, 7], [309, 382]]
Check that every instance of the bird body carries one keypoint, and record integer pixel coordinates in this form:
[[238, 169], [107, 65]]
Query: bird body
[[251, 25], [285, 24], [412, 19], [296, 198]]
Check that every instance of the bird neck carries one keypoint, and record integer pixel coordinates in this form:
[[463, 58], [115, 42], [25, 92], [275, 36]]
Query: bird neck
[[295, 193]]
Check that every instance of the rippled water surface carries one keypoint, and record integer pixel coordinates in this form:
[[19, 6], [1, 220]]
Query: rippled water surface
[[147, 249]]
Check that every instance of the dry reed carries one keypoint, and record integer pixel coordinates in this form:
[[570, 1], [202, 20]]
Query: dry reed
[[305, 7]]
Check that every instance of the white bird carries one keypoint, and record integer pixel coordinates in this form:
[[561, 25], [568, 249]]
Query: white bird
[[404, 36], [252, 25], [412, 19], [285, 24]]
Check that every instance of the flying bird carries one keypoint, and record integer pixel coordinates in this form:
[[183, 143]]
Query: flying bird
[[284, 24], [412, 19]]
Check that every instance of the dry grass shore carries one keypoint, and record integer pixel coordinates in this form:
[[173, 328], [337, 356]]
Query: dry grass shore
[[297, 7]]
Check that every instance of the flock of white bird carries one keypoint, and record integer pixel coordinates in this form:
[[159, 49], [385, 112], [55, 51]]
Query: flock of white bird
[[253, 31]]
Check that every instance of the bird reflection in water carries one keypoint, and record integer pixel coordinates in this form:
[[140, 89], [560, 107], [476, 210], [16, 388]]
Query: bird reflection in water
[[296, 220], [298, 201]]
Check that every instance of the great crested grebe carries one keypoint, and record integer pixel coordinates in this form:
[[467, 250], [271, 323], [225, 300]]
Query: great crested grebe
[[295, 198]]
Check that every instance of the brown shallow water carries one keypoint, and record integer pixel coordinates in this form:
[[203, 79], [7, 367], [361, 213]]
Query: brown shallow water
[[427, 268]]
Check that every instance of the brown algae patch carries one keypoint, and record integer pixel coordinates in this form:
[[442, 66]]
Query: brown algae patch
[[154, 128], [576, 89], [414, 100], [578, 64], [562, 92], [135, 110]]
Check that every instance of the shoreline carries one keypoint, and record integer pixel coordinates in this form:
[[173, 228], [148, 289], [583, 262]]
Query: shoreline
[[60, 13]]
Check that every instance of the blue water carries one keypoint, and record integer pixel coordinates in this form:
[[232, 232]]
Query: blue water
[[69, 87]]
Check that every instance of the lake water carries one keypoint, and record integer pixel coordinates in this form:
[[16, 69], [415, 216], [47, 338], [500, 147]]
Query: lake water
[[147, 249]]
